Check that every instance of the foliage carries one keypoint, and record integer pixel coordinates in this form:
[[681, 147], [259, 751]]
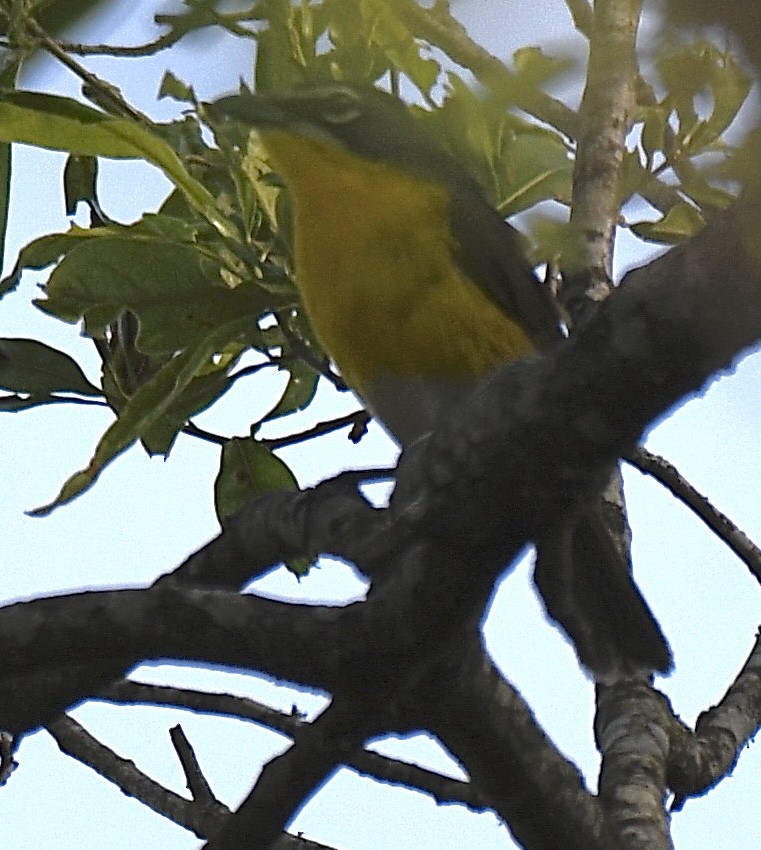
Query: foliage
[[222, 235]]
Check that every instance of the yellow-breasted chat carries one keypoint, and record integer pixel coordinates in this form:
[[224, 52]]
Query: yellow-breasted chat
[[417, 288]]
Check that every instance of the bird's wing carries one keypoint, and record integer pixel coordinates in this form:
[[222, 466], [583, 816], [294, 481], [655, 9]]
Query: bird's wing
[[492, 254]]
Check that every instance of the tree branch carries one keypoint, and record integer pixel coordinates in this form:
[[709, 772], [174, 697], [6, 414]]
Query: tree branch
[[632, 726], [605, 115], [491, 730], [74, 740], [197, 784], [442, 29], [77, 742], [701, 760], [373, 765], [539, 436], [288, 780], [664, 472], [535, 438]]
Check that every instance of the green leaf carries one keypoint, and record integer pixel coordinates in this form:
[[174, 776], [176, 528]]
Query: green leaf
[[145, 408], [258, 180], [55, 16], [280, 60], [174, 87], [29, 366], [634, 176], [533, 67], [730, 86], [469, 130], [45, 251], [79, 180], [693, 183], [60, 123], [202, 391], [299, 391], [5, 188], [533, 165], [164, 283], [556, 242], [518, 163], [16, 403], [701, 68], [680, 223], [399, 44], [248, 469], [654, 123], [7, 80]]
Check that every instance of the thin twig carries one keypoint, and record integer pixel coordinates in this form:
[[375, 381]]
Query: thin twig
[[439, 27], [443, 789], [75, 741], [108, 93], [357, 420], [664, 472], [199, 788]]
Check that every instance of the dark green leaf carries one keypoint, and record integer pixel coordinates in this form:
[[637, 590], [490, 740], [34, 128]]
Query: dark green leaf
[[16, 403], [279, 57], [654, 124], [79, 179], [299, 392], [202, 391], [29, 366], [730, 86], [174, 87], [60, 123], [5, 187], [533, 165], [145, 408], [534, 67], [399, 44], [163, 282]]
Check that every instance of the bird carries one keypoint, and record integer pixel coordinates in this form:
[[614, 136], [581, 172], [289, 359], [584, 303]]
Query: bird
[[417, 288]]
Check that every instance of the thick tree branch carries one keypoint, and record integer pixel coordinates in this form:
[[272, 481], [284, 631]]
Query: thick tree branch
[[633, 725], [489, 728], [42, 637], [279, 527], [288, 780], [539, 436]]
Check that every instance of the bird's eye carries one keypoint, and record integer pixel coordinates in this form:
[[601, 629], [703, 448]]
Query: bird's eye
[[341, 107]]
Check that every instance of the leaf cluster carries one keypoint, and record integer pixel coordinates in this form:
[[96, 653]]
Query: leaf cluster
[[185, 302]]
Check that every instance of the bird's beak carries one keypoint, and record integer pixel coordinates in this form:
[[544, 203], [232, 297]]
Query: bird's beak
[[255, 110]]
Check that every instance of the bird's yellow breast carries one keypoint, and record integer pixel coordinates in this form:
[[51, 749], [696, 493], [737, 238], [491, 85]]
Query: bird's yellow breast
[[375, 267]]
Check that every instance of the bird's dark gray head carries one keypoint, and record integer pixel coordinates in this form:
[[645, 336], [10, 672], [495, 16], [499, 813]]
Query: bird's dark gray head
[[369, 122]]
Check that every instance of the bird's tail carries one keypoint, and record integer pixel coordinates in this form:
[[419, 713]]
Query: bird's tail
[[588, 589]]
